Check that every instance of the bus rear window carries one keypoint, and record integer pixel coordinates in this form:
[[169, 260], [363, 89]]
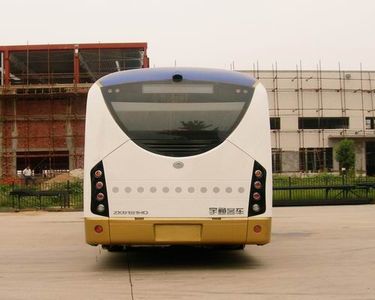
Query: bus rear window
[[178, 119]]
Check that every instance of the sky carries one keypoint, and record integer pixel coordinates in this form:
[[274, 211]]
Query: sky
[[206, 33]]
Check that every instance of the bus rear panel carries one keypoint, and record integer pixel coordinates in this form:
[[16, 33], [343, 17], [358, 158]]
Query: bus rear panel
[[177, 156]]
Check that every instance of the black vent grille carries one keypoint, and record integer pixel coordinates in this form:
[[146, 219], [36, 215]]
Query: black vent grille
[[178, 148]]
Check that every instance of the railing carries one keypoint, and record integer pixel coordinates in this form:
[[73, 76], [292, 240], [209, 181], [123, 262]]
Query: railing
[[61, 195], [323, 190], [320, 190]]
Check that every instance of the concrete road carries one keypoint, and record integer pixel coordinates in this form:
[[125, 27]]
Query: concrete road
[[316, 253]]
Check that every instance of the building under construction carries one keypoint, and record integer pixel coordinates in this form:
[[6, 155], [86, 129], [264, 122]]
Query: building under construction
[[312, 110], [43, 100]]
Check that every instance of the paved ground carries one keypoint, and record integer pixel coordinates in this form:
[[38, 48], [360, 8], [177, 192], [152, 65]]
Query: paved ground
[[316, 253]]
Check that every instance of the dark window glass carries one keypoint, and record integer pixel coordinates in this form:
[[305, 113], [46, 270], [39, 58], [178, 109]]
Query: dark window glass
[[95, 63], [28, 67], [315, 159], [43, 161], [276, 160], [370, 123], [275, 123], [323, 123], [61, 66], [41, 67], [178, 119]]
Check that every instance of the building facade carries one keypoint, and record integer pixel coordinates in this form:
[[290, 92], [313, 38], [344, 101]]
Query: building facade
[[43, 93], [311, 111]]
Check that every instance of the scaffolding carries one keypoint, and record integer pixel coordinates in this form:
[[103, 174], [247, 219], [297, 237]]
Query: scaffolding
[[323, 95], [43, 95]]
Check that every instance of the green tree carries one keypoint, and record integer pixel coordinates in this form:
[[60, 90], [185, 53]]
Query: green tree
[[345, 154]]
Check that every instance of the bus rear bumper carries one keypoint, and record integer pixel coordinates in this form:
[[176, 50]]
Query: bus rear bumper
[[123, 231]]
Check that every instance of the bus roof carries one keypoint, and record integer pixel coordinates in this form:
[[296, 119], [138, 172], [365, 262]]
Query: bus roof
[[162, 74]]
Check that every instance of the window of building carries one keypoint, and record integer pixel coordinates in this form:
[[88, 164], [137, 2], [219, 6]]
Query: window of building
[[275, 123], [370, 123], [42, 161], [323, 122], [95, 63], [315, 159], [41, 66], [276, 160]]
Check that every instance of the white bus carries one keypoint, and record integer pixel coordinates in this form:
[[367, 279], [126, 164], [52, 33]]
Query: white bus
[[177, 156]]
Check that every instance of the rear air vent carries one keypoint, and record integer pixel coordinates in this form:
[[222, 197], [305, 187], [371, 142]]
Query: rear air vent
[[179, 148]]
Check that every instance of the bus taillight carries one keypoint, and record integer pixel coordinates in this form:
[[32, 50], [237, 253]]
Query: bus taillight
[[98, 229], [257, 199], [100, 208], [257, 228], [256, 196], [98, 173], [256, 208], [99, 185], [99, 199], [258, 185]]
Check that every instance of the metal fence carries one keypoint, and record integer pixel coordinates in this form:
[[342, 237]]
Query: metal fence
[[326, 189], [61, 195], [286, 191]]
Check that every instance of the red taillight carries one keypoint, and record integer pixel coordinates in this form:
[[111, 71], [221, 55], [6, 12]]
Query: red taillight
[[99, 185], [258, 173], [98, 173], [257, 228], [256, 196], [257, 185], [100, 197], [98, 229]]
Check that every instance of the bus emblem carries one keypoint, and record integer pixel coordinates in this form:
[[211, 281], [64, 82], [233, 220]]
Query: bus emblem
[[178, 164]]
